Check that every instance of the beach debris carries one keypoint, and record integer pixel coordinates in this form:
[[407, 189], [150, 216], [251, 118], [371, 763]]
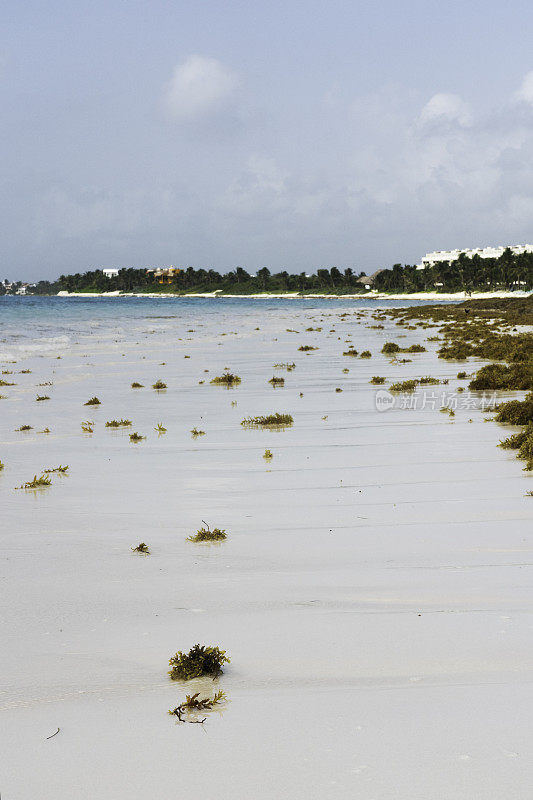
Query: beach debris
[[54, 734], [194, 703], [94, 401], [199, 661], [36, 483], [269, 420], [143, 548], [205, 534]]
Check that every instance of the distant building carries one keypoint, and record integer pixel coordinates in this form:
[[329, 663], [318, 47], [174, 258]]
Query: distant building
[[368, 280], [430, 259], [110, 273], [164, 275]]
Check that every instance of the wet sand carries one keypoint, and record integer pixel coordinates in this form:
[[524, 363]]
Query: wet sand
[[374, 593]]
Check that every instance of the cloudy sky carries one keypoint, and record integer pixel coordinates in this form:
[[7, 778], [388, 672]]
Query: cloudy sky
[[292, 134]]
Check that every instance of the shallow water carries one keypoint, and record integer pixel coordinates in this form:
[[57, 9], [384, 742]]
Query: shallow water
[[374, 592]]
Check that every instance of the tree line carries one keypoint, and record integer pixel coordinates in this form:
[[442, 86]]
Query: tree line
[[508, 272]]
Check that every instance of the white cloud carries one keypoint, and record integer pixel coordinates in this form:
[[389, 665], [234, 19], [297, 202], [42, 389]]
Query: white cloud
[[199, 87], [446, 108], [525, 93]]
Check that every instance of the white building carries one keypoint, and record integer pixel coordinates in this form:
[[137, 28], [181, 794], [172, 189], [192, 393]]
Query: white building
[[483, 252], [110, 273]]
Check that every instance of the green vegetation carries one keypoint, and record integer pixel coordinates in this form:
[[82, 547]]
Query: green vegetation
[[304, 348], [269, 420], [205, 534], [268, 454], [274, 381], [366, 354], [523, 443], [500, 376], [60, 468], [516, 412], [226, 379], [160, 428], [390, 347], [143, 548], [196, 432], [404, 386], [461, 375], [94, 401], [2, 466], [158, 385], [351, 351], [136, 437], [118, 423], [6, 383], [427, 380], [24, 428], [377, 380], [137, 385], [87, 427], [36, 483], [199, 661]]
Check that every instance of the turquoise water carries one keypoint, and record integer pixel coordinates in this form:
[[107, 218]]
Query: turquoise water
[[35, 321]]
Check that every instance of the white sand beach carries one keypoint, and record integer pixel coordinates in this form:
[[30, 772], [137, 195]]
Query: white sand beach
[[374, 593]]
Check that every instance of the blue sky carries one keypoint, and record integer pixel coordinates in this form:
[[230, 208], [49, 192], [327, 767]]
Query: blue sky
[[288, 134]]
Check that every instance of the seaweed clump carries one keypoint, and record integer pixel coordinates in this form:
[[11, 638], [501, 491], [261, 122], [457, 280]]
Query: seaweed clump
[[500, 376], [94, 401], [41, 397], [60, 468], [137, 385], [351, 351], [205, 534], [516, 412], [269, 420], [143, 548], [305, 348], [366, 354], [523, 443], [158, 385], [118, 423], [226, 379], [404, 386], [377, 380], [36, 483], [199, 661], [193, 703], [136, 437], [275, 381]]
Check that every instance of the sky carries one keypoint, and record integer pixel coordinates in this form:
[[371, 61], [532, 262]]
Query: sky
[[288, 134]]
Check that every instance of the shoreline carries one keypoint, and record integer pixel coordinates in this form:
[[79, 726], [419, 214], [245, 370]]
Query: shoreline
[[430, 296]]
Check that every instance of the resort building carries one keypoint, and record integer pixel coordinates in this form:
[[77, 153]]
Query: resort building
[[483, 252], [110, 273]]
